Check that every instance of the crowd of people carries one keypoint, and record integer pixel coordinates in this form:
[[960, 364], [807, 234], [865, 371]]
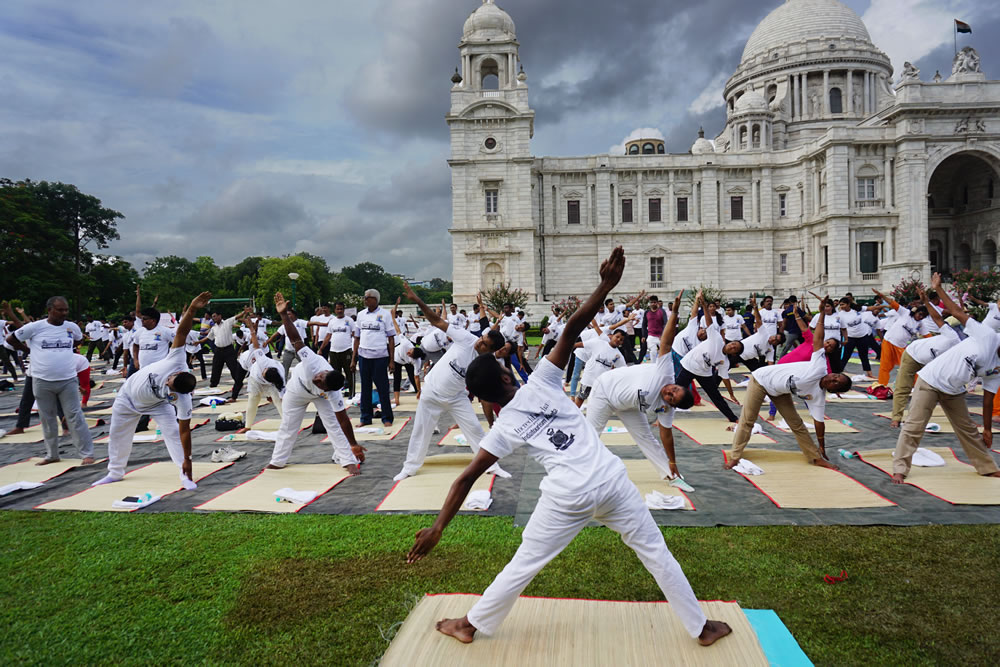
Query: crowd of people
[[585, 370]]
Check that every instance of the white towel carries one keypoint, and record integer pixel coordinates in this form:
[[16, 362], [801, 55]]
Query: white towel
[[377, 430], [19, 486], [145, 437], [615, 429], [748, 468], [461, 439], [124, 504], [932, 427], [783, 425], [925, 458], [757, 428], [293, 496], [209, 391], [262, 435], [745, 382], [111, 372], [478, 500], [217, 400], [660, 501], [860, 378]]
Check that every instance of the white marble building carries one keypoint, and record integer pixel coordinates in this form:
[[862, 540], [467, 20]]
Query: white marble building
[[826, 176]]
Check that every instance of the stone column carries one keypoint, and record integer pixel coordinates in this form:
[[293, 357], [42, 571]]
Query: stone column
[[848, 104], [803, 86], [850, 182], [816, 187], [640, 220], [720, 200], [826, 93], [754, 184], [793, 89], [671, 205], [867, 91], [887, 180]]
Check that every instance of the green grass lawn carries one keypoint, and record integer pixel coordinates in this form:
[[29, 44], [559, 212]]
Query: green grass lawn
[[172, 588]]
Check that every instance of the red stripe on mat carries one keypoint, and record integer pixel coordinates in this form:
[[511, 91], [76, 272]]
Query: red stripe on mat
[[916, 486], [320, 495], [543, 597], [493, 479]]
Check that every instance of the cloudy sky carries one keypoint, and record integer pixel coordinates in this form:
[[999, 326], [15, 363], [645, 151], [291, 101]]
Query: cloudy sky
[[266, 127]]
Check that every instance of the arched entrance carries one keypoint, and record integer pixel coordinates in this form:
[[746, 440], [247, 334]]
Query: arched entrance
[[963, 212], [492, 275]]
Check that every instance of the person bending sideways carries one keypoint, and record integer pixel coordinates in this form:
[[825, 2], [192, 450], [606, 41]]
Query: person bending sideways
[[807, 380], [313, 381], [633, 392], [161, 390], [584, 482]]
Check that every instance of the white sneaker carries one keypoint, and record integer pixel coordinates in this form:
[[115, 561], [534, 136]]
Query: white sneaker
[[227, 455]]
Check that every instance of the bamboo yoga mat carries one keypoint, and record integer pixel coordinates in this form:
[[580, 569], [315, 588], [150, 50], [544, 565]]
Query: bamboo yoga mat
[[956, 482], [212, 391], [616, 439], [428, 489], [546, 632], [938, 417], [34, 433], [160, 479], [268, 425], [789, 481], [27, 471], [257, 494], [238, 406], [647, 479], [450, 438], [389, 434], [849, 397], [713, 432], [831, 425]]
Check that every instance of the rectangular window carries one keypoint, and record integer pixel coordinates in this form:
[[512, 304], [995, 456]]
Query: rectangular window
[[654, 210], [868, 256], [826, 261], [492, 197], [682, 209], [783, 263], [626, 210], [782, 205], [866, 191], [656, 272], [736, 208], [573, 211]]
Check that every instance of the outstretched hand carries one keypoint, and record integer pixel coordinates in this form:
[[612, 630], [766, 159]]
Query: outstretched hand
[[613, 267], [677, 300], [426, 540], [936, 281], [201, 301], [279, 302], [409, 291]]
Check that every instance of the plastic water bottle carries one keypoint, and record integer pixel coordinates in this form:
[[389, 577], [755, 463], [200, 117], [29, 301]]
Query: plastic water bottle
[[145, 498], [846, 454], [157, 434], [846, 423]]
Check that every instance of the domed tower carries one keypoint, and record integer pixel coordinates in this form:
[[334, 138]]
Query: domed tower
[[813, 64], [491, 127]]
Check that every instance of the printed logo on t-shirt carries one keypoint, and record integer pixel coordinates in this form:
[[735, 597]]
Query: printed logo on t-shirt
[[457, 367], [58, 344], [536, 422], [793, 388], [559, 439]]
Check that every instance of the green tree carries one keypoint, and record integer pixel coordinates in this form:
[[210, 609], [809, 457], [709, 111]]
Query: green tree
[[273, 277], [369, 275], [115, 281], [240, 279], [174, 279]]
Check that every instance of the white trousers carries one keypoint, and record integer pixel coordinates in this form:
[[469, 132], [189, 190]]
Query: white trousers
[[257, 391], [124, 418], [652, 347], [556, 521], [600, 410], [294, 409], [430, 410]]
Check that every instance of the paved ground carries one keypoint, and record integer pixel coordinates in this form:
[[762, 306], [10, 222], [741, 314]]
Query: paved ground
[[721, 498]]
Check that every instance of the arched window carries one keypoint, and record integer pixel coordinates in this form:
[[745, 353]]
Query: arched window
[[756, 136], [489, 73], [648, 149], [743, 137], [492, 275], [633, 149], [989, 256], [660, 150], [836, 101], [772, 92]]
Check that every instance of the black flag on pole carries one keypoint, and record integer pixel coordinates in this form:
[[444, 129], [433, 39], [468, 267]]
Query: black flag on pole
[[962, 26]]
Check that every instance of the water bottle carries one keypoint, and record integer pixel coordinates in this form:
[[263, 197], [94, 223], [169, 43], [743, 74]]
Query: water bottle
[[157, 434], [846, 423], [145, 498], [846, 454]]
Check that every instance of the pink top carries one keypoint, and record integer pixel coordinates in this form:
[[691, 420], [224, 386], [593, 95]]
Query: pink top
[[803, 352]]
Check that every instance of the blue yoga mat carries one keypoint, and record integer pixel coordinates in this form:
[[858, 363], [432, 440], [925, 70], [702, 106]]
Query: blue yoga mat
[[778, 643]]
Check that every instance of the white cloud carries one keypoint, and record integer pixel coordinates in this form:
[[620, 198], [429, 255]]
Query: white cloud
[[711, 96]]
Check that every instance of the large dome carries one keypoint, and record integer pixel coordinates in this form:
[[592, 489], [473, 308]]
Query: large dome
[[798, 20], [488, 22]]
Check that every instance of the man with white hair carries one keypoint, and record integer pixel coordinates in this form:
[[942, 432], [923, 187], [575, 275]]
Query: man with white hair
[[374, 346]]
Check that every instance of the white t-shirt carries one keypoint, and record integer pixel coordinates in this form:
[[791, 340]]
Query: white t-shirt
[[260, 363], [886, 319], [992, 319], [925, 350], [147, 388], [904, 329], [321, 321], [687, 339], [707, 359], [606, 318], [508, 327], [154, 344], [299, 324], [976, 356], [81, 363], [733, 326], [832, 325], [51, 348], [341, 332], [541, 416], [600, 358], [638, 388], [374, 328], [458, 320], [756, 345], [191, 343], [403, 346], [770, 319], [800, 378], [582, 353], [474, 325], [447, 379], [302, 378], [870, 320], [435, 340], [855, 323]]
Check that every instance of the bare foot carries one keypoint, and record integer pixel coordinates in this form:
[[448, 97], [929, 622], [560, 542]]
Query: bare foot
[[46, 461], [15, 431], [87, 461], [731, 463], [713, 632], [354, 469], [459, 628], [825, 464], [993, 474], [271, 466], [731, 427], [894, 424], [898, 478]]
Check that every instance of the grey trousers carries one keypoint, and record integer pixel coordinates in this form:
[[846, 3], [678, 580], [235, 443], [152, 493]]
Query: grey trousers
[[66, 393], [287, 357]]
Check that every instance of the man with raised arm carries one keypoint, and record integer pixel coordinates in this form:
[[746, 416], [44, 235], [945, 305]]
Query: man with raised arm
[[808, 380], [161, 390], [444, 391], [313, 381], [634, 392], [584, 482], [943, 381]]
